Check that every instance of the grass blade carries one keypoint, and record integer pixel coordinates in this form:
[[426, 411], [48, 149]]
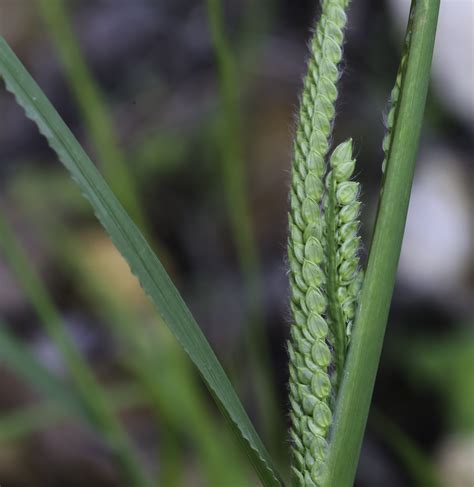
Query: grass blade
[[175, 394], [92, 107], [132, 245], [363, 358]]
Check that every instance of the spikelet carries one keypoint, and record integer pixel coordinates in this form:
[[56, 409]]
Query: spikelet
[[311, 388], [347, 273], [395, 94]]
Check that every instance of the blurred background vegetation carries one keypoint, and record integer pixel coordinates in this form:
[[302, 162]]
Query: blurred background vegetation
[[188, 107]]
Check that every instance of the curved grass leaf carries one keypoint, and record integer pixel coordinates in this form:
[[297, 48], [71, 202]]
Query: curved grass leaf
[[135, 249]]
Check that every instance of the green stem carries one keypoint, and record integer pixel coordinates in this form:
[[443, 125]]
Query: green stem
[[92, 108], [234, 180], [364, 353], [231, 151]]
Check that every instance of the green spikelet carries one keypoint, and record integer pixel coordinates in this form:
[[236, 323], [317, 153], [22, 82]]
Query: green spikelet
[[395, 94], [311, 345], [344, 242]]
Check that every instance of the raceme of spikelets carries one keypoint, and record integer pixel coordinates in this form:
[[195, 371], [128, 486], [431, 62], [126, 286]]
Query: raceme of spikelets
[[323, 253], [394, 96]]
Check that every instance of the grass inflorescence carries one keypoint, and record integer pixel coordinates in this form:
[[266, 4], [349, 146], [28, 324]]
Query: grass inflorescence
[[323, 246], [339, 316]]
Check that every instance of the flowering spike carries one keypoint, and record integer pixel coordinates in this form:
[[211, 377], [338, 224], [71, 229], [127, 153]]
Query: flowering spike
[[311, 347]]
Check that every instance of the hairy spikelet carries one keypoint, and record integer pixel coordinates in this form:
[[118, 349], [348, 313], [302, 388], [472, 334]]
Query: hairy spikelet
[[323, 246], [317, 346], [346, 271], [394, 96]]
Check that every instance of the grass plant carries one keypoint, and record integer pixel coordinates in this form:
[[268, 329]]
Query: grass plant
[[88, 388], [92, 108], [235, 185], [339, 313]]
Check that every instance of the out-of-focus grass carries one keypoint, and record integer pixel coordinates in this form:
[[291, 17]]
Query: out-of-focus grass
[[40, 194], [93, 110], [101, 132], [88, 389], [20, 360], [446, 364], [100, 129], [416, 463], [40, 416], [174, 392], [235, 185], [151, 356]]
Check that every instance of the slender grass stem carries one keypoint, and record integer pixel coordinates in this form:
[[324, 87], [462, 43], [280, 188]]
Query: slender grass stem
[[234, 179], [92, 107], [233, 170], [362, 361], [88, 388]]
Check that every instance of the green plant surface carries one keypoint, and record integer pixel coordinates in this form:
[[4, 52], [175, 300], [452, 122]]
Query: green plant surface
[[332, 370], [344, 276], [24, 421], [175, 393], [171, 464], [445, 363], [92, 106], [318, 331], [89, 390], [235, 189], [143, 262], [366, 341], [233, 169], [144, 347], [20, 360]]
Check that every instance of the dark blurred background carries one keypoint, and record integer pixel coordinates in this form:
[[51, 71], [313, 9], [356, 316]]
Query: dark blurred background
[[206, 153]]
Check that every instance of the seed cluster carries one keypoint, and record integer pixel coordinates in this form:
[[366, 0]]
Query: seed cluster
[[347, 240], [311, 347], [395, 94]]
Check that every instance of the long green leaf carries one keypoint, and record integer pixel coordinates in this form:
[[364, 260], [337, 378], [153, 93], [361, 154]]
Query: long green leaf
[[175, 393], [369, 329], [143, 262]]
